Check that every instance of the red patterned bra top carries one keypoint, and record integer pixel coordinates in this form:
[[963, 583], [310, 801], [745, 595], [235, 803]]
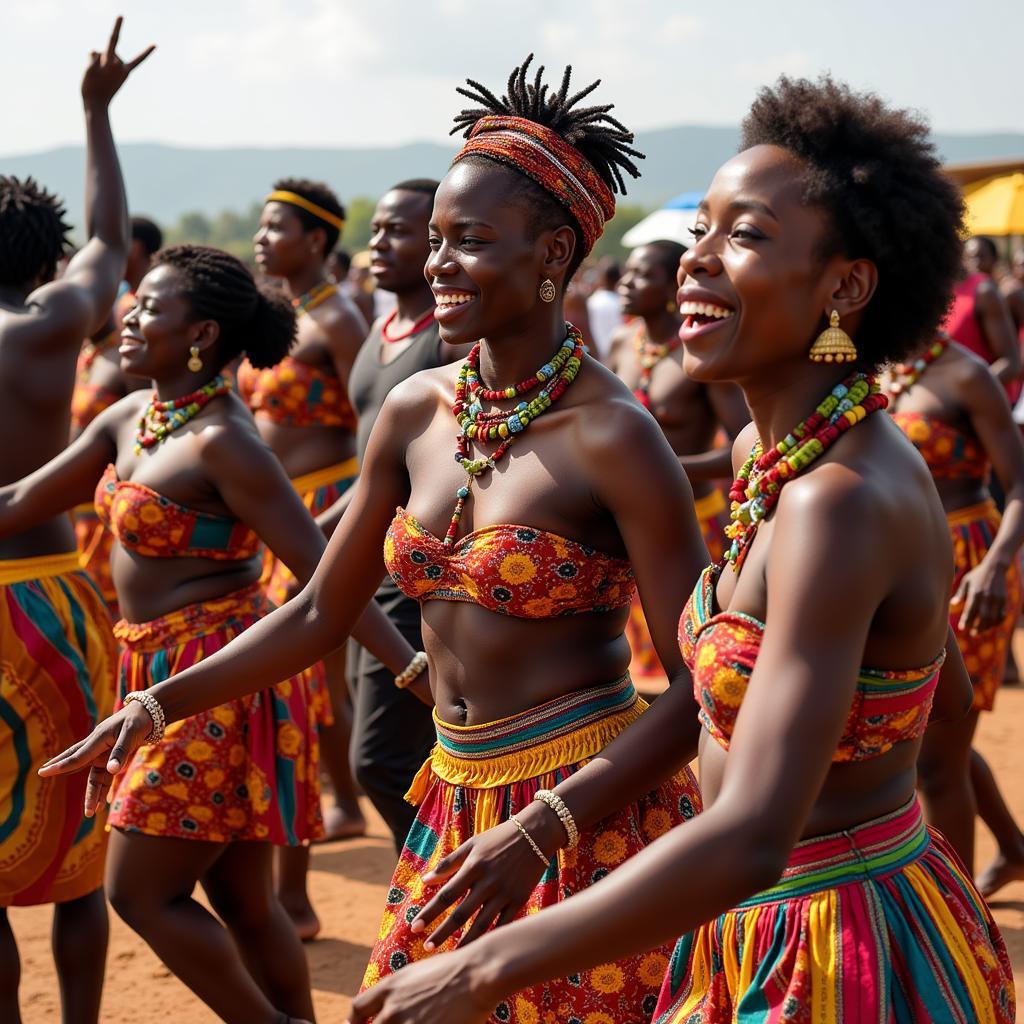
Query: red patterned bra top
[[721, 648], [508, 569], [295, 394], [149, 524], [950, 453]]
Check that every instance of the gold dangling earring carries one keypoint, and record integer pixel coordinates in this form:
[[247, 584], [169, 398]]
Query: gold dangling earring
[[548, 291], [670, 306], [195, 364], [833, 345]]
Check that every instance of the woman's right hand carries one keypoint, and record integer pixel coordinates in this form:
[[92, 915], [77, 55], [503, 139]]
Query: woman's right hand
[[105, 752], [106, 72]]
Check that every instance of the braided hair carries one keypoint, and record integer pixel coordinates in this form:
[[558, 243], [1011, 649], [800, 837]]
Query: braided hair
[[321, 194], [33, 233], [602, 139], [259, 323]]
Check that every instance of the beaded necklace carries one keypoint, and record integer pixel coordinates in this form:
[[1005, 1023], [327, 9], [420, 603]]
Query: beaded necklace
[[476, 425], [161, 419], [427, 318], [761, 479], [316, 296], [648, 355], [906, 375]]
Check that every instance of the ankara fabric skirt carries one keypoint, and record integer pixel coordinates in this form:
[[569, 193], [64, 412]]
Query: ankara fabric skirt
[[95, 545], [477, 777], [58, 666], [712, 514], [985, 655], [248, 769], [876, 925]]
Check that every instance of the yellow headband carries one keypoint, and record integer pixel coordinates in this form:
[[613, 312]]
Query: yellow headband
[[303, 203]]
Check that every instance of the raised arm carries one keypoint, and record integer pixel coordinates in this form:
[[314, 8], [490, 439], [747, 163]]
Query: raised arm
[[314, 623], [740, 845], [997, 326], [77, 305]]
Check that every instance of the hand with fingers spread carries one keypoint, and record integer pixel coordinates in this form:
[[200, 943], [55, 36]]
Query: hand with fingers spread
[[107, 72], [982, 596], [450, 988], [105, 752], [494, 873]]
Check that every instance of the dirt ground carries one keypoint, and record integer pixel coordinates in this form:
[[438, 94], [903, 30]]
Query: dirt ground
[[348, 884]]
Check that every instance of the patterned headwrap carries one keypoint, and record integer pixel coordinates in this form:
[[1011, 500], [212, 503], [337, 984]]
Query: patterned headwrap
[[558, 167]]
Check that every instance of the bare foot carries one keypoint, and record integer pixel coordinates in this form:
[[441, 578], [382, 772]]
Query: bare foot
[[342, 824], [1000, 872], [303, 917]]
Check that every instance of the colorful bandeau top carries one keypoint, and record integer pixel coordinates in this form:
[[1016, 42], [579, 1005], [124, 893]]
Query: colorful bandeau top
[[720, 650], [949, 453], [508, 569], [149, 524], [295, 394]]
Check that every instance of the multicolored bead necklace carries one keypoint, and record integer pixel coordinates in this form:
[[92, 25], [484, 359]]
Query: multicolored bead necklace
[[476, 425], [316, 295], [423, 321], [760, 481], [92, 350], [161, 419], [906, 375], [648, 355]]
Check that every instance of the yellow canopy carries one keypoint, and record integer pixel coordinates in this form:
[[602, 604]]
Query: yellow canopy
[[997, 207]]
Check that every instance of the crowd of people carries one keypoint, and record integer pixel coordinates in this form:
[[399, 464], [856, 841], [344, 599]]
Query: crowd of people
[[256, 531]]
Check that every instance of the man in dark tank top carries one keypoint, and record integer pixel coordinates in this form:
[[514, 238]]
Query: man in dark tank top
[[392, 730]]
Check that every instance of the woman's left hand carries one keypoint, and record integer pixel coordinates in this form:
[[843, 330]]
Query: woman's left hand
[[983, 595], [446, 987], [494, 872]]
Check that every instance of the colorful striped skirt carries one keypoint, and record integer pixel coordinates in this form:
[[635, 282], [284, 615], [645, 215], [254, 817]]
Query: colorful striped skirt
[[477, 777], [875, 925], [319, 491], [246, 770], [973, 530], [95, 546], [58, 665], [712, 514]]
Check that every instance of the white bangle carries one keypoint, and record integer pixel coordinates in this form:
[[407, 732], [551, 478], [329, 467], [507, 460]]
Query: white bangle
[[412, 671], [557, 804], [156, 713]]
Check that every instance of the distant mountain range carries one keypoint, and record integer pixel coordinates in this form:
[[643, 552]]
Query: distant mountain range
[[167, 181]]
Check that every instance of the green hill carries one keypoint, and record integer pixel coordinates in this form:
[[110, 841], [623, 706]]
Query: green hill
[[167, 181]]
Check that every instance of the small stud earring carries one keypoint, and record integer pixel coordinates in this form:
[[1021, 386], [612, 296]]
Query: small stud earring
[[548, 291], [670, 306], [195, 364]]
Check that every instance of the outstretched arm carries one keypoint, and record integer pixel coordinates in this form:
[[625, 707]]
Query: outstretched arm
[[79, 303]]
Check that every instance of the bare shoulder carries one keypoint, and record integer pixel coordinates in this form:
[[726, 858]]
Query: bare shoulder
[[971, 375]]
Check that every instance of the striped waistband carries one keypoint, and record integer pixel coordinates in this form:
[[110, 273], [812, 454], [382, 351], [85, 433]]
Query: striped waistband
[[872, 850], [710, 505], [20, 570], [325, 477], [199, 619], [566, 731], [985, 510]]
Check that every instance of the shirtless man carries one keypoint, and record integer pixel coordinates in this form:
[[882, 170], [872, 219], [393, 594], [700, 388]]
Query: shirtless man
[[647, 355]]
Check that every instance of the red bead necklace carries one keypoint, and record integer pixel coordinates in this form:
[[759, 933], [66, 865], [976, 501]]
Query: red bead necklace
[[160, 419], [648, 355], [420, 324], [906, 375]]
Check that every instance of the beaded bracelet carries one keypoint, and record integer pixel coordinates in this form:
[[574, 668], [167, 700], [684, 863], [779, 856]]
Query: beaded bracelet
[[156, 713], [533, 846], [412, 671], [557, 804]]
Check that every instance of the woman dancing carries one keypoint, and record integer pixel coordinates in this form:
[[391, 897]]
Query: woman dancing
[[59, 657], [953, 410], [190, 491], [810, 889], [524, 558]]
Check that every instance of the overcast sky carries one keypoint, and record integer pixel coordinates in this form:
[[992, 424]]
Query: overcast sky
[[371, 72]]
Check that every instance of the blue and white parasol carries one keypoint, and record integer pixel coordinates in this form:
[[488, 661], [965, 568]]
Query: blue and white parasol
[[671, 223]]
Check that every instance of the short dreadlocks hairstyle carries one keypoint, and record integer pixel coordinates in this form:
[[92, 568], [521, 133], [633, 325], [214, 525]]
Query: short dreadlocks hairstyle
[[253, 320], [33, 232], [873, 169], [321, 194], [601, 138]]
